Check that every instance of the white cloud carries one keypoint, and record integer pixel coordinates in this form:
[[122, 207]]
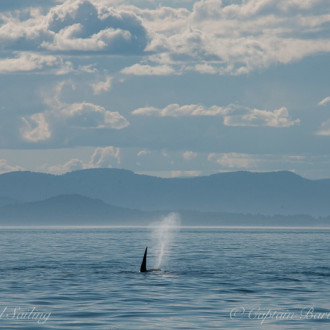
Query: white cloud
[[89, 115], [53, 99], [175, 110], [213, 37], [189, 155], [148, 70], [43, 126], [324, 129], [26, 61], [102, 86], [86, 26], [36, 128], [180, 173], [5, 167], [149, 111], [105, 157], [253, 117], [100, 41], [232, 115], [325, 126], [296, 158], [81, 115], [102, 157], [237, 38], [143, 153], [72, 165], [74, 25], [256, 162], [234, 160], [205, 68], [90, 68], [325, 101]]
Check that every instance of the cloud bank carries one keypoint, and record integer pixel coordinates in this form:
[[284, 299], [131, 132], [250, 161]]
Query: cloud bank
[[233, 115], [217, 37], [214, 37]]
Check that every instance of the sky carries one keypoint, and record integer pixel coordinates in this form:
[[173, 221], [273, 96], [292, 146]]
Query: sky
[[165, 88]]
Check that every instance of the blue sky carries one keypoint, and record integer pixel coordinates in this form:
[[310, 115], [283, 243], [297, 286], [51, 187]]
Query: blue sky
[[167, 88]]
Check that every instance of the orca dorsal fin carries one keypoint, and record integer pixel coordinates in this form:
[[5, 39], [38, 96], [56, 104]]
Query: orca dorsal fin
[[143, 267]]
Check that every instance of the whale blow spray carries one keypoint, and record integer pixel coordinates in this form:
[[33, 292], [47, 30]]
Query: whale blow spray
[[163, 234]]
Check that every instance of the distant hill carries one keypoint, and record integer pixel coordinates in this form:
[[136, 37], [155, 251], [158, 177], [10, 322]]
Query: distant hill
[[282, 193], [69, 210], [72, 210]]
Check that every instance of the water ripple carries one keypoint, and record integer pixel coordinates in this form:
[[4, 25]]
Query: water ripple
[[90, 279]]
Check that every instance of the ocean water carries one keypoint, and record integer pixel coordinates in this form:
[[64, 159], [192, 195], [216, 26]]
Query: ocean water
[[211, 278]]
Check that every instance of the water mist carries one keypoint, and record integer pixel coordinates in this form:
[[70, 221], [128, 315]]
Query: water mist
[[163, 235]]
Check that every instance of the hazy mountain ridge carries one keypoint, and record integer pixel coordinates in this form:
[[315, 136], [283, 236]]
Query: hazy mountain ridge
[[64, 210], [280, 193], [68, 210]]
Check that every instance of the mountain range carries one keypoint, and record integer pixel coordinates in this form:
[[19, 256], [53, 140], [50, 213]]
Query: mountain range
[[118, 196]]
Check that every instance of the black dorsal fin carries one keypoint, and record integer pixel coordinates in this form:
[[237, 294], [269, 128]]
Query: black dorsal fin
[[143, 267]]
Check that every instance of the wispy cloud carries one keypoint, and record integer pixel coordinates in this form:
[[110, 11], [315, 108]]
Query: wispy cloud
[[325, 101], [175, 110], [148, 70], [72, 165], [238, 116], [102, 157], [324, 129], [27, 61], [180, 173], [105, 157], [102, 86], [234, 160], [143, 153], [255, 162], [5, 167], [189, 155], [36, 128]]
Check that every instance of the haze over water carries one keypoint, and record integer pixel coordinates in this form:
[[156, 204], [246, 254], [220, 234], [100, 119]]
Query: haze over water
[[87, 278]]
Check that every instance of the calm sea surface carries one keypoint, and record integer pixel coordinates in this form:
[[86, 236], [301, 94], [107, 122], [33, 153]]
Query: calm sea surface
[[211, 278]]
